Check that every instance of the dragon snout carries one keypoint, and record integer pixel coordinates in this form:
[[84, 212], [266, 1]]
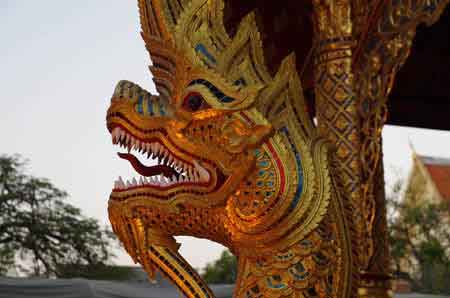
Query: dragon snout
[[143, 101]]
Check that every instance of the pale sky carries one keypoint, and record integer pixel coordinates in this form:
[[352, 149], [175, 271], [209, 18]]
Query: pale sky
[[59, 63]]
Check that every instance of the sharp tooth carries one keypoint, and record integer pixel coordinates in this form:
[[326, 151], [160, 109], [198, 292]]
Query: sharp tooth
[[174, 179], [134, 182], [202, 172], [147, 149], [164, 152], [129, 184], [157, 148], [196, 178], [121, 183], [152, 148], [121, 135], [115, 135], [176, 164], [141, 181]]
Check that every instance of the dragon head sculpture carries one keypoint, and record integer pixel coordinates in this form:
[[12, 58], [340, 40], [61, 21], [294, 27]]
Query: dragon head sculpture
[[237, 160]]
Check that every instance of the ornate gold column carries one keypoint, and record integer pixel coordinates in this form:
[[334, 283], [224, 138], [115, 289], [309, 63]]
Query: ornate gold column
[[381, 52], [357, 56], [337, 108]]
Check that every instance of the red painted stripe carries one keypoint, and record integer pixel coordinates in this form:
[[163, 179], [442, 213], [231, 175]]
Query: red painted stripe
[[247, 118], [279, 165]]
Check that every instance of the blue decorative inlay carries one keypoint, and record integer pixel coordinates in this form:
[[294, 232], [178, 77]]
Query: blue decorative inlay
[[263, 163], [202, 49], [298, 161], [275, 286], [150, 107], [161, 109], [140, 109], [213, 89], [299, 272]]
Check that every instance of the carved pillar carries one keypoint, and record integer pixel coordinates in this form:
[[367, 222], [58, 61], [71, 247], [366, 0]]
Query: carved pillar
[[380, 54], [338, 109], [375, 279]]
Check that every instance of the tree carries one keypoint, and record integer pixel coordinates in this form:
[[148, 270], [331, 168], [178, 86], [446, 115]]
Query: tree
[[40, 233], [222, 271], [419, 238]]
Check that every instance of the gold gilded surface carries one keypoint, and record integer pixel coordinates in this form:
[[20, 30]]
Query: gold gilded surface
[[271, 198], [301, 205]]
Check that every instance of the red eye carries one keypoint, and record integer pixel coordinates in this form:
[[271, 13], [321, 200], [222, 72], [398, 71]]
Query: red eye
[[194, 102]]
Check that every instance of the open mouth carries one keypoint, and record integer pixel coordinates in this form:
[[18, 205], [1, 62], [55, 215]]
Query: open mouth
[[167, 169]]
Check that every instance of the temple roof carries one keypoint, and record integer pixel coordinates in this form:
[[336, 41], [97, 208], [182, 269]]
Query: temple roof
[[439, 170]]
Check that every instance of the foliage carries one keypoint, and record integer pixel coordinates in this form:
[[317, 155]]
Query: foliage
[[419, 238], [39, 231], [222, 271], [97, 271]]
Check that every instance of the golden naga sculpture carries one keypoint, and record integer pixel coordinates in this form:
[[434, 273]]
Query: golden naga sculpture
[[240, 159]]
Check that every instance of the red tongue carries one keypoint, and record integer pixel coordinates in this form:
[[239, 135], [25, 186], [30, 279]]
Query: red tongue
[[148, 171]]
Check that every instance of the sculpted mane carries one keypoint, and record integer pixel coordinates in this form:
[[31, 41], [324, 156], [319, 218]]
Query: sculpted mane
[[235, 156]]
